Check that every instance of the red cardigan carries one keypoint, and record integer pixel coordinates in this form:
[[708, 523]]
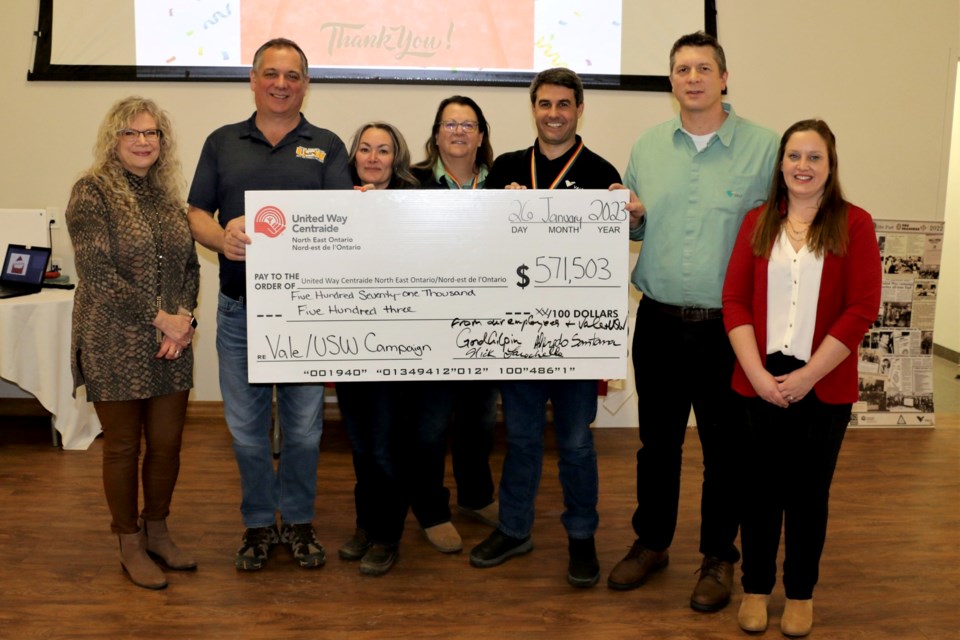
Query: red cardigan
[[847, 306]]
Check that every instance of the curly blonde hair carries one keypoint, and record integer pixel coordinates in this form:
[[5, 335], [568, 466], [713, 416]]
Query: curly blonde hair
[[164, 177]]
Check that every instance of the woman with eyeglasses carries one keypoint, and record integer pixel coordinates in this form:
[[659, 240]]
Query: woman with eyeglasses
[[133, 324], [802, 288], [459, 155]]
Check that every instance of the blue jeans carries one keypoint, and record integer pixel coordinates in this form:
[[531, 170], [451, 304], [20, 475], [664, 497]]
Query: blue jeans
[[574, 408], [291, 488]]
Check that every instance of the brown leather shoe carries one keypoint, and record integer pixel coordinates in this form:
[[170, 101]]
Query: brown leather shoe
[[636, 566], [712, 592]]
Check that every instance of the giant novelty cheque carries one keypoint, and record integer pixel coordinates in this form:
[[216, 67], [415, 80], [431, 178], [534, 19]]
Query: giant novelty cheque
[[431, 284]]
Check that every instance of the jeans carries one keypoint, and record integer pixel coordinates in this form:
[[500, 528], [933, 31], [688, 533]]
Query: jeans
[[465, 412], [372, 415], [291, 488], [574, 408], [791, 455], [677, 365]]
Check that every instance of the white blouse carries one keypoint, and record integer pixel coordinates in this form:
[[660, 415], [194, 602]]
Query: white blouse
[[793, 288]]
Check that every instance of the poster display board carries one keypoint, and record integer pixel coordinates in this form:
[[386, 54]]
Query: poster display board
[[896, 355]]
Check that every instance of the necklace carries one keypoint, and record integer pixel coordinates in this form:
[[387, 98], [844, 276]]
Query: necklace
[[797, 235]]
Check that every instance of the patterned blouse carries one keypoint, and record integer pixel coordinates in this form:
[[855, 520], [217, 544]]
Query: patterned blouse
[[120, 276]]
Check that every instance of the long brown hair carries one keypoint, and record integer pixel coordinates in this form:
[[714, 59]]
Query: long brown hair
[[828, 231], [400, 178], [484, 151]]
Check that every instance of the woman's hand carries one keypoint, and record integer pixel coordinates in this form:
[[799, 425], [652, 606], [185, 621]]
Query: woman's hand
[[168, 350], [365, 187], [177, 328], [514, 185], [768, 388], [794, 386]]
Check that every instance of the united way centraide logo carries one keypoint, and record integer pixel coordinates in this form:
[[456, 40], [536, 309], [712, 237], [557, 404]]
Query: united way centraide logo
[[269, 221]]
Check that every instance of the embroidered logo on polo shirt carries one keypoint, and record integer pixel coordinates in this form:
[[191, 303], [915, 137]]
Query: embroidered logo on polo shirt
[[311, 153], [734, 194]]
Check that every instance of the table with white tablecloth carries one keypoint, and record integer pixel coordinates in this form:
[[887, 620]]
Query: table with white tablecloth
[[35, 355]]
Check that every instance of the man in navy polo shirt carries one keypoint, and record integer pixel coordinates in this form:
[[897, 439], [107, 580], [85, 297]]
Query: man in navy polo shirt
[[276, 148], [558, 159]]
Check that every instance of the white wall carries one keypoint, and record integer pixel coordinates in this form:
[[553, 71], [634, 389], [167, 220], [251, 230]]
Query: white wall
[[946, 330], [881, 74]]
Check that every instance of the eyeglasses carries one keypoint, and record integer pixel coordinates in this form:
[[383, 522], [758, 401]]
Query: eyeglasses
[[468, 126], [130, 135]]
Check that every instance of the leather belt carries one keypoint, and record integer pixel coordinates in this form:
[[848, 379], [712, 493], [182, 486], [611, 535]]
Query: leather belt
[[685, 314]]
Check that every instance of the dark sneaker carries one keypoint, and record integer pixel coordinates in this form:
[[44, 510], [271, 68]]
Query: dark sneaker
[[257, 542], [498, 548], [379, 559], [712, 592], [302, 541], [355, 547], [584, 568], [636, 567]]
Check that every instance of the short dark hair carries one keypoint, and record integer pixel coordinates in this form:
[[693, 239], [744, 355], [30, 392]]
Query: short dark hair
[[700, 39], [281, 43], [559, 76]]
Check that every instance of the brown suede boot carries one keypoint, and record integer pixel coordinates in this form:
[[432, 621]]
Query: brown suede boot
[[797, 619], [162, 547], [138, 565]]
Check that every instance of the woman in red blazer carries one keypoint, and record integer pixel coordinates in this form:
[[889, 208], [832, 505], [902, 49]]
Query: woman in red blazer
[[802, 288]]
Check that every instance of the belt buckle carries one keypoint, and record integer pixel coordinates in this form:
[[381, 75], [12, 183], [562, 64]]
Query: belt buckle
[[692, 314]]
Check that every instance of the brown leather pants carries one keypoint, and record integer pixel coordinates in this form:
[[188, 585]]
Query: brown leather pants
[[159, 421]]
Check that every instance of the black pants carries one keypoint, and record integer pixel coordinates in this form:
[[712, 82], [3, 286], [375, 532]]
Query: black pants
[[678, 364], [790, 457], [372, 414], [466, 413]]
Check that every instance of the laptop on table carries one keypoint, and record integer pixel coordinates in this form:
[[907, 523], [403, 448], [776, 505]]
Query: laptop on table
[[23, 270]]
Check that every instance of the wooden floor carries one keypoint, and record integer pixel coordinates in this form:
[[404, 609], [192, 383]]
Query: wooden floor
[[891, 568]]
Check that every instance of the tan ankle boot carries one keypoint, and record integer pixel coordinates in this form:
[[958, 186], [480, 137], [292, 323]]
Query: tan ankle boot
[[160, 545], [138, 565], [753, 612], [797, 617]]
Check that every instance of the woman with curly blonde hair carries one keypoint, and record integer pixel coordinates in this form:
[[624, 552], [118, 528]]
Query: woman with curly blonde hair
[[133, 323]]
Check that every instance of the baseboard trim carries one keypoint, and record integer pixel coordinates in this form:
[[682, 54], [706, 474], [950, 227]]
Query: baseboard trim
[[945, 353]]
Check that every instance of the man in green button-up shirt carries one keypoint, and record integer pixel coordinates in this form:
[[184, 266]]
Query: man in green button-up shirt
[[696, 176]]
